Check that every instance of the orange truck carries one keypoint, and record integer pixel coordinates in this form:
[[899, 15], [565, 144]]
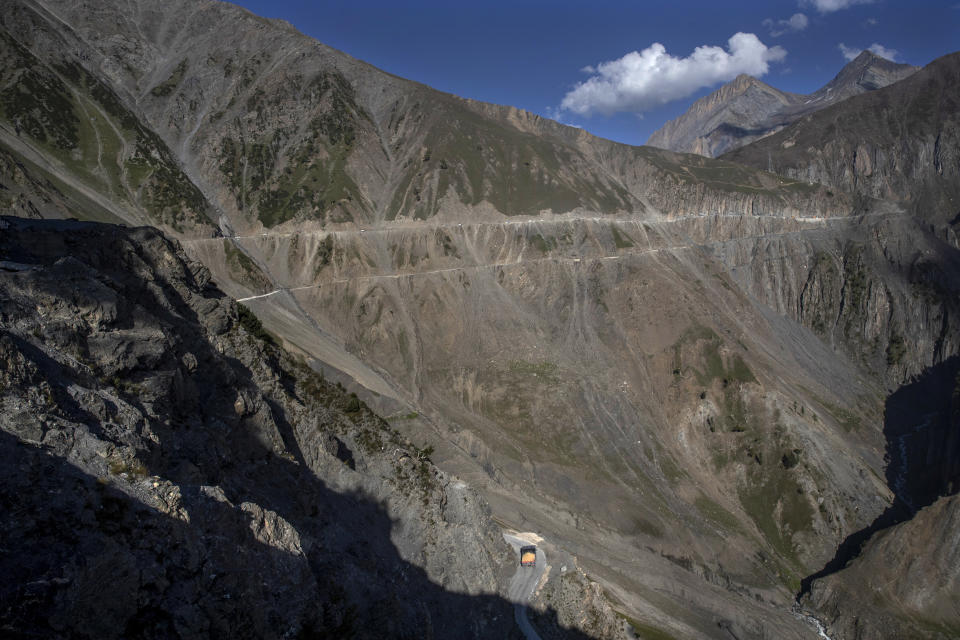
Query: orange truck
[[528, 556]]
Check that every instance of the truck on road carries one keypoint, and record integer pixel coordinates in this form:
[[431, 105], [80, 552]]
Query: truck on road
[[528, 556]]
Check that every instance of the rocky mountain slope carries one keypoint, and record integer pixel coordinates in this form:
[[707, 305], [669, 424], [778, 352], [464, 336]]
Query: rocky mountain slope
[[673, 367], [903, 585], [898, 143], [747, 109], [169, 472], [68, 143], [904, 582]]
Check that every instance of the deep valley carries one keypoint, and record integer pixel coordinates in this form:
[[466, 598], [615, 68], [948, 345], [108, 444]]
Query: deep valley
[[723, 392]]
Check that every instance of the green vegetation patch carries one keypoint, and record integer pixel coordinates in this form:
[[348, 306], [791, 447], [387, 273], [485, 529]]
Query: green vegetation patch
[[251, 323], [169, 190], [241, 265], [445, 242], [545, 372], [620, 239], [717, 514], [855, 278], [310, 178], [646, 527], [337, 124], [484, 161], [34, 100], [896, 349], [766, 488], [722, 175], [100, 92], [711, 365], [645, 631], [247, 166], [87, 127], [543, 245], [670, 470], [848, 421], [735, 415], [324, 255], [166, 87], [826, 269], [40, 105]]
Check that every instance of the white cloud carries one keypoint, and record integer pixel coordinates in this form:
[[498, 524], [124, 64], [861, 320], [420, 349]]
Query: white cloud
[[556, 113], [829, 6], [642, 80], [851, 52], [796, 22], [871, 22]]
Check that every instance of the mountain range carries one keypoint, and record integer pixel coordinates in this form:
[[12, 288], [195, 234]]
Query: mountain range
[[748, 109], [712, 386]]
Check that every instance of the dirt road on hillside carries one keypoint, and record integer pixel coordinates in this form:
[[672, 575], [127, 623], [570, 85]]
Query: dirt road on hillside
[[523, 584]]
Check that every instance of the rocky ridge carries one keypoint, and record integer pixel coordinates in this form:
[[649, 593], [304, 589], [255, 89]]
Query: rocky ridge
[[748, 109], [899, 143]]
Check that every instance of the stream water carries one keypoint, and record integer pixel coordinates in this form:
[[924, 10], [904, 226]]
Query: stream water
[[899, 483], [813, 622]]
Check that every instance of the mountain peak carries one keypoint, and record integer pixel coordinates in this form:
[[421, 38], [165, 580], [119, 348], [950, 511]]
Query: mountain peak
[[866, 72], [867, 54], [747, 109]]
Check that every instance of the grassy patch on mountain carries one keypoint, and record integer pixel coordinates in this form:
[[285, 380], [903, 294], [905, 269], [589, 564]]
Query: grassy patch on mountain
[[723, 176], [699, 350], [81, 124], [482, 160], [40, 105], [776, 504], [544, 372], [543, 245], [774, 498], [717, 514], [243, 268], [620, 238], [166, 87], [283, 174], [848, 421]]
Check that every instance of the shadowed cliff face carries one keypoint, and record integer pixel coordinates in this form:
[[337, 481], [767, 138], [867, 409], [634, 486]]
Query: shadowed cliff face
[[167, 473], [900, 576]]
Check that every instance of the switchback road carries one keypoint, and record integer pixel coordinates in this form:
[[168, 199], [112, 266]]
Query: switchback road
[[523, 584]]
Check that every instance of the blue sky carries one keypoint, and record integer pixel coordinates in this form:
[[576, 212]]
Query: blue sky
[[534, 54]]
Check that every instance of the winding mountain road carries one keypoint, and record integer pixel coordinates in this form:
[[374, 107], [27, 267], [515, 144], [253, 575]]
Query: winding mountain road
[[523, 584]]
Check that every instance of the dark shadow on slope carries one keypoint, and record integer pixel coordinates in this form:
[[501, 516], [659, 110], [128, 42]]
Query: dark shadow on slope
[[241, 542], [52, 369], [82, 558], [923, 454]]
